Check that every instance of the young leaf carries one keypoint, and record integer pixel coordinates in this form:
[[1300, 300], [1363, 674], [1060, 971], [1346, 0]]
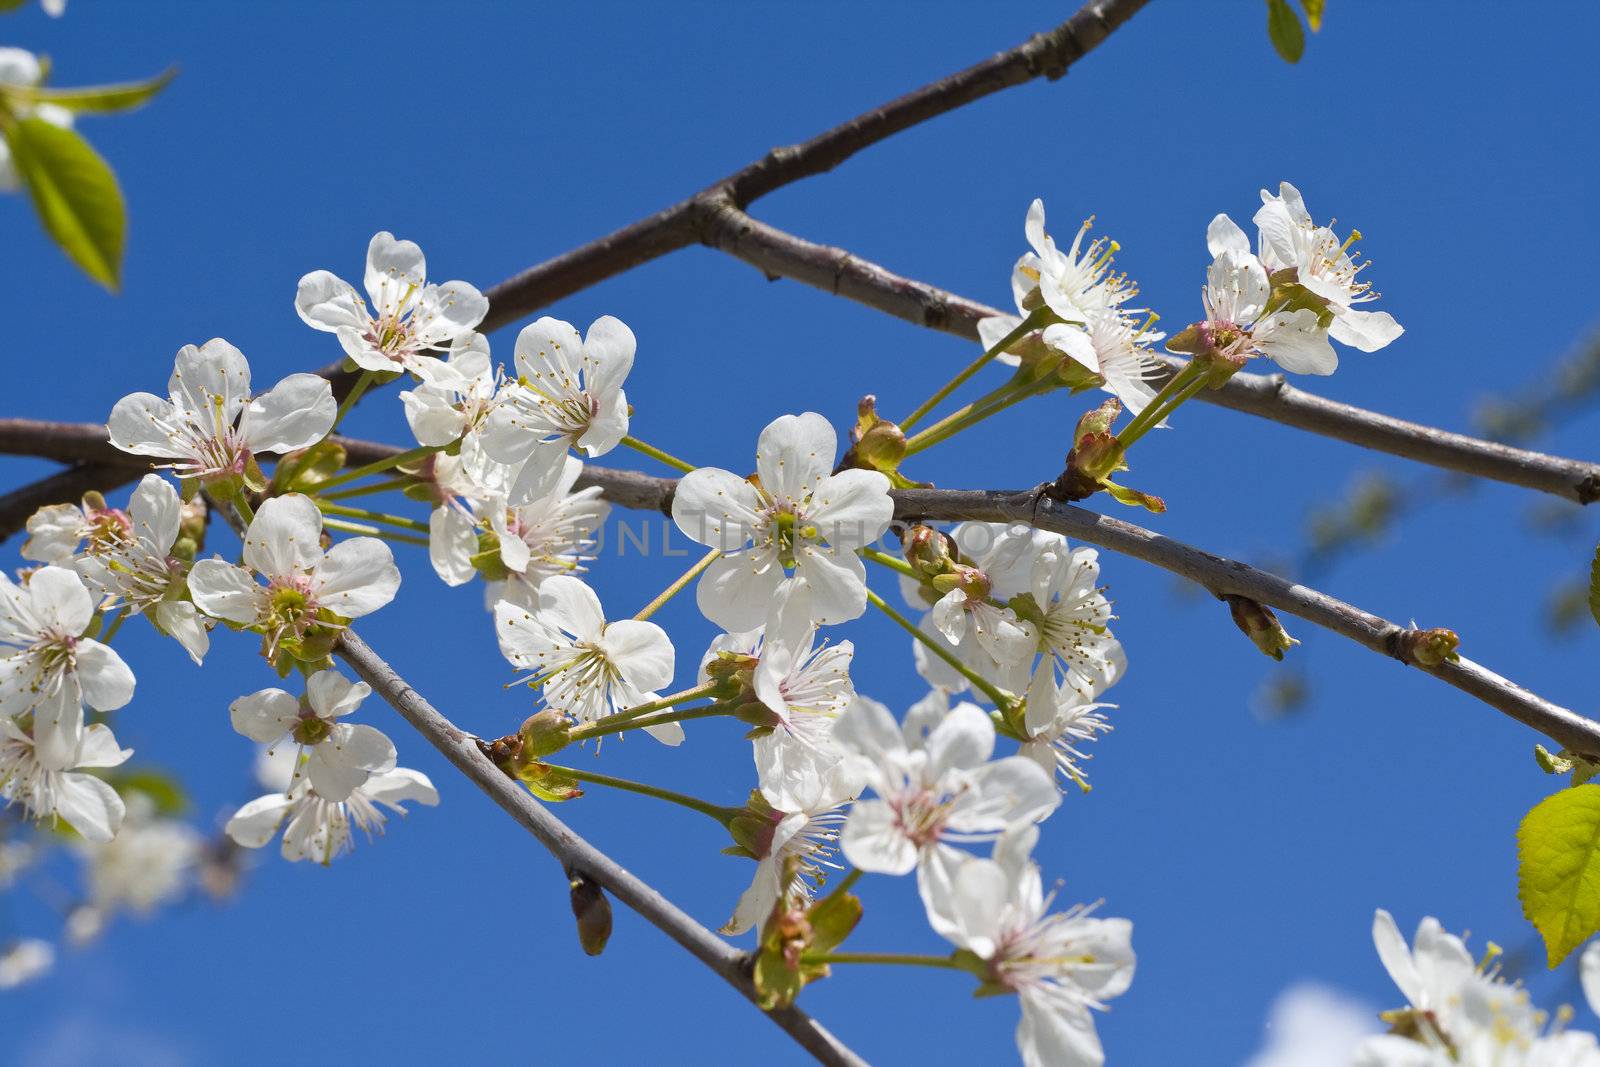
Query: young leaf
[[1558, 869], [1283, 26], [1313, 13], [75, 194], [1594, 586], [123, 96]]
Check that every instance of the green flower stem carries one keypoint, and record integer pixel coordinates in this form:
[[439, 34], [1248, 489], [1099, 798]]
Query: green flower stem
[[379, 466], [899, 958], [677, 587], [116, 624], [659, 704], [399, 482], [1035, 320], [352, 396], [1176, 391], [655, 453], [373, 531], [974, 413], [715, 811], [328, 508], [607, 725], [988, 689]]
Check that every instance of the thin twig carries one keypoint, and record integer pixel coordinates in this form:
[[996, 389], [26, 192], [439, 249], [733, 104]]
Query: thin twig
[[1044, 55], [834, 270], [576, 854]]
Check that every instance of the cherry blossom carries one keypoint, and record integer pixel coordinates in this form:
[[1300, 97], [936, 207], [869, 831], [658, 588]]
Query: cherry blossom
[[49, 669], [1062, 966], [320, 829], [1290, 241], [307, 591], [934, 787], [340, 756], [61, 788], [568, 394], [588, 668], [792, 515], [210, 427], [412, 319]]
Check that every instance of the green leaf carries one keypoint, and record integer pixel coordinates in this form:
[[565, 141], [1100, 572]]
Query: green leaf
[[1594, 586], [549, 784], [1283, 26], [1558, 869], [123, 96], [1313, 13], [75, 194], [11, 5]]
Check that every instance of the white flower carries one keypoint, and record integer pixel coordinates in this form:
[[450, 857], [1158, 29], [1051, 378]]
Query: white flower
[[56, 532], [284, 546], [1061, 966], [340, 756], [1289, 240], [455, 402], [589, 668], [24, 960], [1071, 618], [1589, 975], [996, 563], [1238, 324], [808, 809], [1074, 284], [210, 427], [141, 571], [149, 863], [319, 829], [568, 394], [549, 536], [1434, 974], [84, 802], [21, 67], [795, 515], [413, 319], [48, 669], [1057, 724], [933, 789]]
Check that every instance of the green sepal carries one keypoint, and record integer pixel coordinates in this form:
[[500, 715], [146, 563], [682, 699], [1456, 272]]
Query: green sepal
[[549, 784], [1133, 498]]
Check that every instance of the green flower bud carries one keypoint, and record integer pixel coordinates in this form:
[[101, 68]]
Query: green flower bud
[[1260, 624], [592, 909]]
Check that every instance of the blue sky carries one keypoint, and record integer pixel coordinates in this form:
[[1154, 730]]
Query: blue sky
[[1249, 855]]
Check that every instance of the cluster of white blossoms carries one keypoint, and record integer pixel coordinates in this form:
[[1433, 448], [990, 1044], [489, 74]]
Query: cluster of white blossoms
[[1014, 638], [1461, 1012]]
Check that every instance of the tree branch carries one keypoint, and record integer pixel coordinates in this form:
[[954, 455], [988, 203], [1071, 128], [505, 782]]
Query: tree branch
[[1044, 55], [575, 853], [780, 254]]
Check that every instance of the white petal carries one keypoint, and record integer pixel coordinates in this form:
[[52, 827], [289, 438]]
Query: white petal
[[852, 509], [641, 652], [285, 538], [106, 680], [58, 727], [837, 583], [100, 749], [60, 600], [401, 785], [1224, 235], [1589, 972], [328, 303], [393, 267], [183, 621], [962, 740], [872, 840], [296, 413], [452, 541], [156, 513], [568, 604], [794, 454], [358, 577], [255, 824], [136, 425], [735, 591], [1296, 342], [265, 715], [210, 382], [333, 696], [1366, 331], [716, 508], [609, 347], [964, 896], [1057, 1031], [90, 806], [225, 591], [434, 420]]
